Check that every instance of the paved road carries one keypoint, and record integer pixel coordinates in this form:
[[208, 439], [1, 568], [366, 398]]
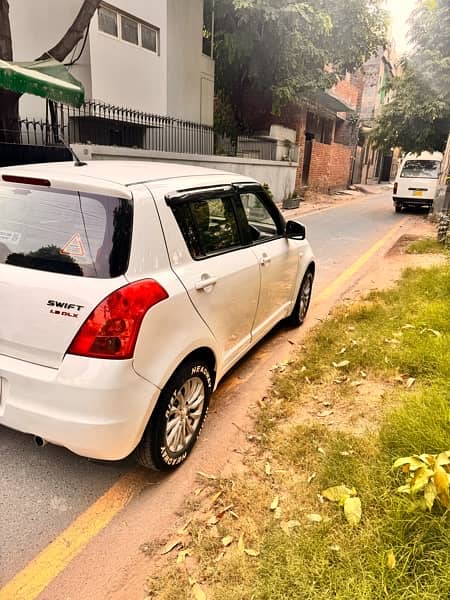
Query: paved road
[[42, 491], [339, 235]]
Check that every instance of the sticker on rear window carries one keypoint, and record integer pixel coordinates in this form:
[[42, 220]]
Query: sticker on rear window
[[10, 237], [74, 246]]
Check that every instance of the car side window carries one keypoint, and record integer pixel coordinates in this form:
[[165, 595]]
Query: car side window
[[209, 226], [262, 225]]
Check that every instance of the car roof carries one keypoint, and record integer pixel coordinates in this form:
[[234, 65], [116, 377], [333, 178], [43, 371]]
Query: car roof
[[424, 156], [112, 176]]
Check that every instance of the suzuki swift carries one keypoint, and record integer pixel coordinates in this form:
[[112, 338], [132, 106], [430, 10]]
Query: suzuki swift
[[127, 291]]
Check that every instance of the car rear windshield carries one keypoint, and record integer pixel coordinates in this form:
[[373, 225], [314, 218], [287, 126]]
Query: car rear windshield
[[422, 169], [65, 232]]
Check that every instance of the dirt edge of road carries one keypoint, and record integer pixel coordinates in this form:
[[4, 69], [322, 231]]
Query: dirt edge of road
[[128, 552]]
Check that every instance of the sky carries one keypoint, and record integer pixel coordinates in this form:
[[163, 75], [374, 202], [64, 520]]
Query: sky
[[400, 11]]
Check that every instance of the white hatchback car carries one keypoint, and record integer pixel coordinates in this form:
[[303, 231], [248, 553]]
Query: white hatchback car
[[127, 291]]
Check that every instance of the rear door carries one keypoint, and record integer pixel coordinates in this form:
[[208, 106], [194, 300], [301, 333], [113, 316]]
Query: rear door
[[61, 253], [418, 179], [222, 274]]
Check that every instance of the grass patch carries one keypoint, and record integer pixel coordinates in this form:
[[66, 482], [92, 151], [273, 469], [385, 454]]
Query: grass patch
[[427, 246], [395, 341]]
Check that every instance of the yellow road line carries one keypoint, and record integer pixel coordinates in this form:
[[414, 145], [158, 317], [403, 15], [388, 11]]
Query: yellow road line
[[40, 572], [346, 275]]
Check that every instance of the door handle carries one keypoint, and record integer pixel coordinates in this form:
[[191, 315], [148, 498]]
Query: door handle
[[205, 282], [265, 259]]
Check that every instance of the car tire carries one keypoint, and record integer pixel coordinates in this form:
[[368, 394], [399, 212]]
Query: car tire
[[398, 208], [177, 419], [298, 315]]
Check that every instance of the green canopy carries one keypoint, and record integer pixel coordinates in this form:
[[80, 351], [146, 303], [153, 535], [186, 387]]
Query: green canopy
[[46, 78]]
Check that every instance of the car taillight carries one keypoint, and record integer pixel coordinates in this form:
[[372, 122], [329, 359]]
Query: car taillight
[[112, 328], [395, 187]]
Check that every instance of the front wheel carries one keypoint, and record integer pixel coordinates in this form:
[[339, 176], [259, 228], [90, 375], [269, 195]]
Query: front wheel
[[177, 419], [301, 306]]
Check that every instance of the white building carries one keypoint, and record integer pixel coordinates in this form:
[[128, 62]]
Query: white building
[[142, 54]]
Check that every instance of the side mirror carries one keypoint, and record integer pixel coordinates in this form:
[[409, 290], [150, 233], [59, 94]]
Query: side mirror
[[295, 230]]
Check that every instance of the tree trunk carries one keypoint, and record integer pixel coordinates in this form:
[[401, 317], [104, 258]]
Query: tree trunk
[[9, 101], [75, 32]]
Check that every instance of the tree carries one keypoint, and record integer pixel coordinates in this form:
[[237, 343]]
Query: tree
[[418, 118], [272, 53], [9, 101]]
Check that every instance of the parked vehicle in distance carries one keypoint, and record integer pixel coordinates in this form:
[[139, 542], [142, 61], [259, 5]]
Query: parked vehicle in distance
[[127, 291], [416, 181]]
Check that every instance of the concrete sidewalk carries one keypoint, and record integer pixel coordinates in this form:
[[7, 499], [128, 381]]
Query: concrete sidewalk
[[316, 201]]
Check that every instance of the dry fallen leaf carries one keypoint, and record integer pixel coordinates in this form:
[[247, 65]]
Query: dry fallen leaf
[[325, 413], [337, 493], [212, 520], [181, 557], [312, 476], [183, 530], [390, 560], [352, 510], [357, 383], [268, 469], [216, 496], [314, 518], [287, 526], [198, 593], [251, 552], [275, 503], [205, 475], [227, 540], [411, 381], [171, 545], [343, 350], [341, 365], [224, 510], [433, 331]]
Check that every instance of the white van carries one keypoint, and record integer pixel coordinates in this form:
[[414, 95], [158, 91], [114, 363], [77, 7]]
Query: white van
[[417, 179]]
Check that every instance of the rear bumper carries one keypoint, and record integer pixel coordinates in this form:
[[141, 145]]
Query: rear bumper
[[413, 201], [95, 408]]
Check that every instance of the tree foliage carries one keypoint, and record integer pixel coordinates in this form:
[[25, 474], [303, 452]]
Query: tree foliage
[[418, 118], [272, 53]]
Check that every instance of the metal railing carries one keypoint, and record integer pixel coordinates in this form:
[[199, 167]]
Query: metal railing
[[100, 123]]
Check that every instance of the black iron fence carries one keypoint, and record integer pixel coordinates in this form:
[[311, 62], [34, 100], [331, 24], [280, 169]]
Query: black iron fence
[[104, 124]]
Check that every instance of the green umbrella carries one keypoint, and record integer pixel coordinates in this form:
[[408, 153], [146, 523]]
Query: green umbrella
[[46, 78]]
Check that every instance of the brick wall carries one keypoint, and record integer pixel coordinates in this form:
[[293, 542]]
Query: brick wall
[[330, 166], [350, 89]]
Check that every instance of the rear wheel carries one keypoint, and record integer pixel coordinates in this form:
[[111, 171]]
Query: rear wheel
[[301, 306], [177, 419], [398, 208]]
